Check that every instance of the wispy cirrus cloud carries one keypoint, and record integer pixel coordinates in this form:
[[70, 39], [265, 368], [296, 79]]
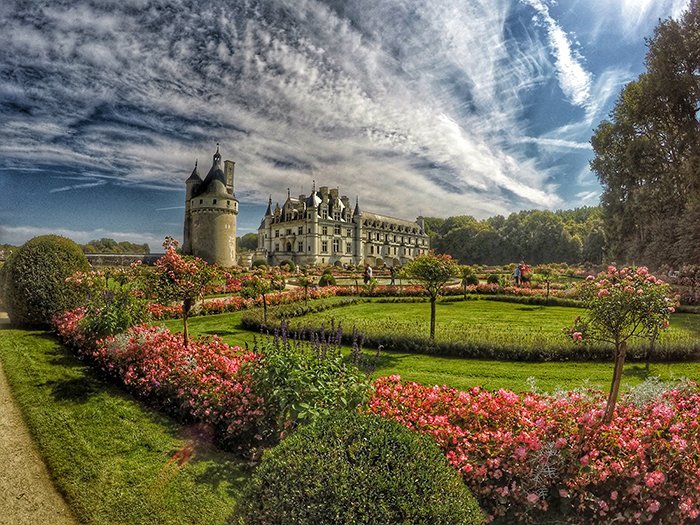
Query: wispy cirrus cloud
[[412, 105]]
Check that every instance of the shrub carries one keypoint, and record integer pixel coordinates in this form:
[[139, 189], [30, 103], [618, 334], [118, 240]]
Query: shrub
[[493, 278], [359, 469], [36, 279], [327, 278], [471, 280], [288, 265], [302, 380], [259, 263]]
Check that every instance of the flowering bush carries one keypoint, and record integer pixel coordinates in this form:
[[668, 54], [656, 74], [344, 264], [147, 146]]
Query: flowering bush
[[622, 304], [531, 454], [207, 381]]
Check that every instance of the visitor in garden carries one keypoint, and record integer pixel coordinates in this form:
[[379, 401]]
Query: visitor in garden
[[368, 274], [517, 274], [392, 273]]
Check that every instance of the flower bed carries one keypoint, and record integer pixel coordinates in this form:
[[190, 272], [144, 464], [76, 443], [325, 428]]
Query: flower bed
[[205, 382], [526, 455]]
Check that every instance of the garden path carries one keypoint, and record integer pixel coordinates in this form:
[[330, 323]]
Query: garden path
[[27, 495]]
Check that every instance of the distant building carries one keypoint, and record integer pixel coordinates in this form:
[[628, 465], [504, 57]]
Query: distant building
[[210, 214], [323, 229]]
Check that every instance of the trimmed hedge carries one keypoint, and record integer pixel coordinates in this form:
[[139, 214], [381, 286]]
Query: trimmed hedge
[[359, 469], [35, 278]]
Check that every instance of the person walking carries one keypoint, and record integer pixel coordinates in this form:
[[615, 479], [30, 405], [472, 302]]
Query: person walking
[[517, 274]]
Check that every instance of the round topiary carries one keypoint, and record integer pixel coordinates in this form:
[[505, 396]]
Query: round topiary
[[471, 280], [493, 278], [259, 263], [327, 278], [359, 469], [36, 287], [290, 266]]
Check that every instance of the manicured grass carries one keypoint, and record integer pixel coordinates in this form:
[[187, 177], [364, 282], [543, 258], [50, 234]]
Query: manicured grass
[[496, 322], [466, 373], [115, 461]]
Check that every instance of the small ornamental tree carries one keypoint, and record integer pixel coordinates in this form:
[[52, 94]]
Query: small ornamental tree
[[179, 278], [469, 278], [546, 273], [259, 285], [622, 304], [305, 281], [433, 272]]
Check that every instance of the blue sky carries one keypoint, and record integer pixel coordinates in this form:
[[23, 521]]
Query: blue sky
[[432, 107]]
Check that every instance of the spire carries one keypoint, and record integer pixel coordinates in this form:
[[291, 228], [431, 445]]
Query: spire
[[194, 177], [217, 155], [289, 194], [357, 206], [269, 207]]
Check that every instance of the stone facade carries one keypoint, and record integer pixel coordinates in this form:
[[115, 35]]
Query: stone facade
[[210, 214], [322, 229]]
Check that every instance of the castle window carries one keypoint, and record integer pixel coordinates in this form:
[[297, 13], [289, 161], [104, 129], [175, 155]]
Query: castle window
[[289, 231], [201, 201], [349, 233], [309, 230], [336, 229], [324, 247], [348, 248], [371, 249], [309, 248], [301, 247], [277, 247], [213, 201], [324, 230], [336, 245], [394, 238], [300, 230], [228, 203], [277, 233]]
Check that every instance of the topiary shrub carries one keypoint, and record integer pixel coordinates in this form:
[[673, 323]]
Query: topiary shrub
[[493, 278], [259, 263], [288, 265], [359, 469], [36, 287], [327, 278], [471, 280]]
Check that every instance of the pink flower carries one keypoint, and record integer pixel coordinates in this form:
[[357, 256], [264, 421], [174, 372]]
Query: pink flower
[[603, 291], [653, 506], [533, 498]]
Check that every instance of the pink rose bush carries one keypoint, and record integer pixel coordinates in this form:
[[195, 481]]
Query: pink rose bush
[[208, 381], [530, 454]]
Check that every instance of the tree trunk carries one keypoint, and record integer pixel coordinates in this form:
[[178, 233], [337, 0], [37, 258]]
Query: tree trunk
[[464, 291], [650, 352], [620, 351], [546, 300], [264, 309], [186, 306], [432, 318]]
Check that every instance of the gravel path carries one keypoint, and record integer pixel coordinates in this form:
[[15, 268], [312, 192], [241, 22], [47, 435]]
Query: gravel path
[[27, 495]]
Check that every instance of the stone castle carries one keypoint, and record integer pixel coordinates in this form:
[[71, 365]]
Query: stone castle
[[322, 228], [210, 214], [319, 229]]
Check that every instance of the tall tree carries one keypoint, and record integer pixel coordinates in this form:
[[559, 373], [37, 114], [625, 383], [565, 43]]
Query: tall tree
[[647, 155]]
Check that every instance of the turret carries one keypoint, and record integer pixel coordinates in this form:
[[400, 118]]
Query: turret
[[191, 186]]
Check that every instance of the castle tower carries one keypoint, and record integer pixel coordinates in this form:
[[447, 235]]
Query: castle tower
[[210, 214]]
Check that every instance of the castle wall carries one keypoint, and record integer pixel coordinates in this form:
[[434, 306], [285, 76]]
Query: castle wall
[[213, 230]]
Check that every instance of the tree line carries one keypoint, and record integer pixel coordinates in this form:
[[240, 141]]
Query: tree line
[[111, 246], [536, 236], [647, 154]]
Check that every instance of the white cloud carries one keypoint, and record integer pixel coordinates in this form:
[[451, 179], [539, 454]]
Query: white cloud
[[574, 80]]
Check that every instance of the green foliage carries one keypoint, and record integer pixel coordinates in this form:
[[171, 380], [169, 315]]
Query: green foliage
[[493, 278], [113, 301], [288, 265], [302, 380], [249, 241], [359, 469], [111, 246], [536, 236], [327, 278], [259, 263], [35, 279], [647, 155]]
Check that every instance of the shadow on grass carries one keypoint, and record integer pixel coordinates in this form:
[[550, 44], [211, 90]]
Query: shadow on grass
[[639, 371]]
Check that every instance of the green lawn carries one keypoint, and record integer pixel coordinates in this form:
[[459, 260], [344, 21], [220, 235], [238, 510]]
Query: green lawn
[[465, 373], [111, 457], [493, 321]]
